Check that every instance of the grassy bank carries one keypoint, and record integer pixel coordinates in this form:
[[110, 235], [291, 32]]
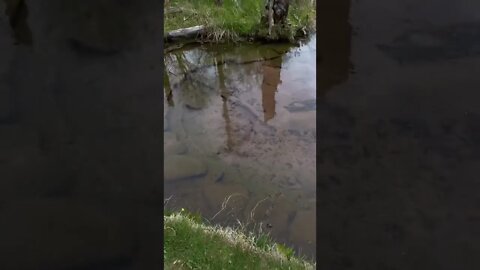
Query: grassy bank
[[191, 244], [236, 19]]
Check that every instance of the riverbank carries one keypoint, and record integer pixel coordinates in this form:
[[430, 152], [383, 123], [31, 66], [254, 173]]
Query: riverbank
[[192, 244], [236, 20]]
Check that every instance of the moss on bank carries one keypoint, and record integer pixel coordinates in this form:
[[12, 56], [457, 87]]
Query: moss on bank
[[191, 244], [237, 19]]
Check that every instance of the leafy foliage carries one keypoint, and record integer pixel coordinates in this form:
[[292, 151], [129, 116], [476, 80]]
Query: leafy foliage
[[237, 19]]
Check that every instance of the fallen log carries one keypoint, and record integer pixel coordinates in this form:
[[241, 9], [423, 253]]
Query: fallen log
[[186, 33], [173, 10]]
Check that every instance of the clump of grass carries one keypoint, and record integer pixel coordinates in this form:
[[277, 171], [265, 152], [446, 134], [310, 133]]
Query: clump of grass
[[302, 18], [218, 34], [193, 244], [237, 19]]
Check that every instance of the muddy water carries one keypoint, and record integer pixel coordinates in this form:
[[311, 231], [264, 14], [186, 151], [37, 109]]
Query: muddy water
[[398, 134], [240, 129]]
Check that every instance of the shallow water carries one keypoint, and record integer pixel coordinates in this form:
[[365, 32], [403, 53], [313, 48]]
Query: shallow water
[[241, 122]]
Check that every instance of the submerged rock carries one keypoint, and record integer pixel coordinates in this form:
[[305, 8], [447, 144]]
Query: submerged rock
[[215, 172], [302, 106], [178, 167], [172, 146]]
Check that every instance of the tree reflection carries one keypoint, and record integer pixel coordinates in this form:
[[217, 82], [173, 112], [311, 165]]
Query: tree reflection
[[271, 80]]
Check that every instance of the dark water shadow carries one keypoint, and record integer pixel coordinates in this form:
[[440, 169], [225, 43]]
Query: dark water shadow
[[17, 12], [80, 159], [435, 44], [397, 145], [334, 35]]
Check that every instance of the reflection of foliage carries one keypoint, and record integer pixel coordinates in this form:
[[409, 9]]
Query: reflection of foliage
[[166, 86], [198, 73], [192, 88], [193, 94]]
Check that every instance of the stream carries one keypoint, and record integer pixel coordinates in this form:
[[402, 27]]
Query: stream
[[240, 137]]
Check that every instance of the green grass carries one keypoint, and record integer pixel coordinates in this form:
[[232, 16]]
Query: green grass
[[192, 244], [236, 19]]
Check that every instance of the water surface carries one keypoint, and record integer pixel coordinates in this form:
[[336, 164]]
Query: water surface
[[240, 136]]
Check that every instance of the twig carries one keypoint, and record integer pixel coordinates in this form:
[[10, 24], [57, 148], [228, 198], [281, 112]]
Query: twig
[[224, 204], [165, 202], [252, 213]]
